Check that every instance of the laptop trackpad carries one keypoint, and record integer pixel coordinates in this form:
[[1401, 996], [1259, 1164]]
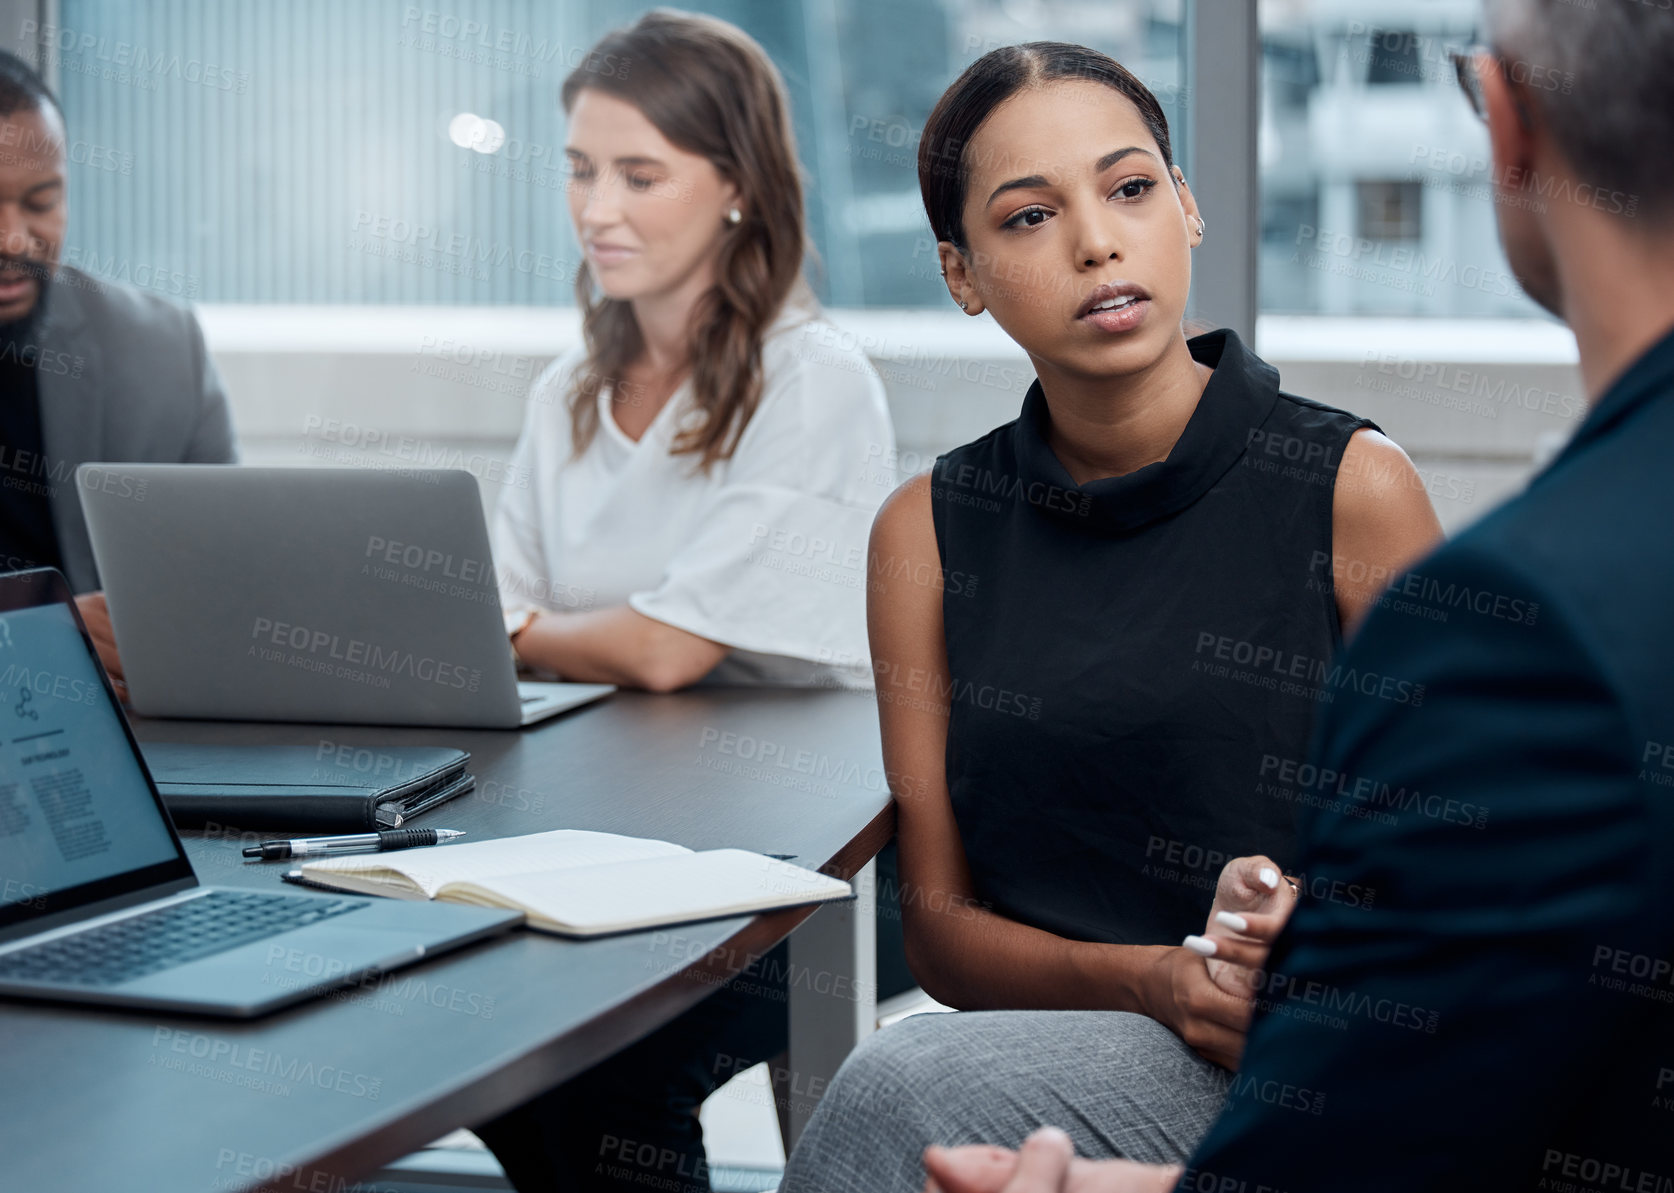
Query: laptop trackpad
[[537, 697], [284, 965]]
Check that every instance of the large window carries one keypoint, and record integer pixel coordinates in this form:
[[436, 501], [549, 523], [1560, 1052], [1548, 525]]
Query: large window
[[1376, 197], [410, 151], [1383, 288]]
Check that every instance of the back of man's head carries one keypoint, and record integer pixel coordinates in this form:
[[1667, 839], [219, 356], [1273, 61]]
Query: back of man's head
[[1600, 77], [22, 89]]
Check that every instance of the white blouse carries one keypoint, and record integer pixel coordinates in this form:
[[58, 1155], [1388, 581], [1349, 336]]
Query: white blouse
[[766, 554]]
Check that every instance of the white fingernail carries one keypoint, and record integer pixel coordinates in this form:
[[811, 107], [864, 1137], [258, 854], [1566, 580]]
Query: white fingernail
[[1051, 1135], [1270, 878], [1227, 919], [1201, 945]]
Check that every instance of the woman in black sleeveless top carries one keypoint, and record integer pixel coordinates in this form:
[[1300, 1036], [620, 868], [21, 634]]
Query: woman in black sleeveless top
[[1145, 578]]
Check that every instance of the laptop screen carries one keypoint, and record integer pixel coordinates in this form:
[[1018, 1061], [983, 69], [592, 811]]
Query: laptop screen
[[78, 818]]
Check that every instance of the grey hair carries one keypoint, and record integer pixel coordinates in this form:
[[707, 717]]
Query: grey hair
[[1601, 76]]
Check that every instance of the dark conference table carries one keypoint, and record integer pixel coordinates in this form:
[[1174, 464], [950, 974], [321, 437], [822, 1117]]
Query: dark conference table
[[324, 1092]]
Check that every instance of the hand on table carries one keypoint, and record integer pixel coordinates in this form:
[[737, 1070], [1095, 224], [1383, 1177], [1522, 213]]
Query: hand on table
[[1045, 1164], [96, 616]]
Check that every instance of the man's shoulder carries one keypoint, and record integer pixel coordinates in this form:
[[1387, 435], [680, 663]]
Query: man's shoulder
[[1588, 538], [1558, 593], [1498, 589], [110, 309], [143, 363]]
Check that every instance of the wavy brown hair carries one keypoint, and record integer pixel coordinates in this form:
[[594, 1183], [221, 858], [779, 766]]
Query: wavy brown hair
[[711, 90]]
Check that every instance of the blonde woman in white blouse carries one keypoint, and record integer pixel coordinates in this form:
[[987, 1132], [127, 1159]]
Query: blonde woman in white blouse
[[641, 569], [700, 493], [703, 476]]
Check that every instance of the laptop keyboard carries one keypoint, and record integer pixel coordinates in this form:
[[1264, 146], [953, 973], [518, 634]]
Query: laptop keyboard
[[156, 940]]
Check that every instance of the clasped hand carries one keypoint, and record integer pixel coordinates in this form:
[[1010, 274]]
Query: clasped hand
[[1203, 990]]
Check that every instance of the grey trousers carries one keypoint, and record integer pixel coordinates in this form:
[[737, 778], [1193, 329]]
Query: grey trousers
[[1122, 1085]]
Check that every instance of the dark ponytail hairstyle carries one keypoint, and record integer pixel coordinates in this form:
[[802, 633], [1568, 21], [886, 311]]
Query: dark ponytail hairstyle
[[944, 171]]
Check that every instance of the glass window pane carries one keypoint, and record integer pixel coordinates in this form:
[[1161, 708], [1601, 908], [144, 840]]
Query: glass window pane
[[891, 61], [410, 151], [1390, 210], [1393, 56], [1375, 177]]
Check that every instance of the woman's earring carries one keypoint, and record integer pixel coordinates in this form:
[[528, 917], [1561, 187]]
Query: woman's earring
[[1201, 226], [964, 306], [734, 215]]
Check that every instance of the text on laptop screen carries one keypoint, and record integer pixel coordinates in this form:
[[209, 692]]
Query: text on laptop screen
[[74, 805]]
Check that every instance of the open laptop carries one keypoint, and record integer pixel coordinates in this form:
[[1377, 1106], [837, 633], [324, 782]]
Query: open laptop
[[326, 595], [98, 901]]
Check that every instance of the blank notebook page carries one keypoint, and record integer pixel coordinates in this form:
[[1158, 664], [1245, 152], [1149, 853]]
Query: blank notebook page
[[435, 866], [659, 890]]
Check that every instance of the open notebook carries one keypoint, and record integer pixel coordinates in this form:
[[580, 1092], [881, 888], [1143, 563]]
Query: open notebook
[[577, 883]]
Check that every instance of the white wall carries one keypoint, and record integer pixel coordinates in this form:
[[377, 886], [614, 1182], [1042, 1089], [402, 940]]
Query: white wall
[[1475, 402]]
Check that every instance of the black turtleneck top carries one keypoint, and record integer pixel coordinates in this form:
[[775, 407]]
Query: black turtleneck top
[[1137, 666]]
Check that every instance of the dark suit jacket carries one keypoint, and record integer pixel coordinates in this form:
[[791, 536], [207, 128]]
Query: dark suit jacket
[[1501, 1014], [124, 377]]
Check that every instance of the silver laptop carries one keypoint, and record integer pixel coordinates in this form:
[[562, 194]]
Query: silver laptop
[[327, 595], [98, 902]]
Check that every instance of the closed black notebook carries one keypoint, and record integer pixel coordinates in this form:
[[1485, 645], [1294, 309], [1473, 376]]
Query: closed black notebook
[[295, 788]]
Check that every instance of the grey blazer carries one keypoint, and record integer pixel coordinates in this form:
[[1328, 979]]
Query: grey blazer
[[124, 378]]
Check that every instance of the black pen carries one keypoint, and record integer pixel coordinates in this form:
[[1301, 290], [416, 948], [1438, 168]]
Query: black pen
[[395, 838]]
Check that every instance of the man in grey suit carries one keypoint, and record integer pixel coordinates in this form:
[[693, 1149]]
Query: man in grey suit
[[90, 370]]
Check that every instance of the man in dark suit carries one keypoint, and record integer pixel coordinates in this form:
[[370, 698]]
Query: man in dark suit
[[1502, 1015], [89, 370]]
